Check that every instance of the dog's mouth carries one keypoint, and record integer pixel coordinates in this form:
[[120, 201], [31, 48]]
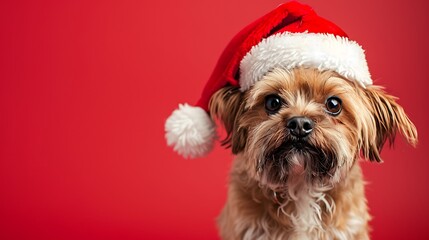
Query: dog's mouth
[[299, 145], [298, 157]]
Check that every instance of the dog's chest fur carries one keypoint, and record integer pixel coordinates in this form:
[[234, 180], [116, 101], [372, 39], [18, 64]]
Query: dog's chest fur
[[309, 206], [302, 212]]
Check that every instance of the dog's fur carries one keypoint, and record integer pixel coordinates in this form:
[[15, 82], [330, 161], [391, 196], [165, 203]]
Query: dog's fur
[[315, 191]]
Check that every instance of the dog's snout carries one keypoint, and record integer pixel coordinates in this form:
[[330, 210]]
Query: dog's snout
[[300, 126]]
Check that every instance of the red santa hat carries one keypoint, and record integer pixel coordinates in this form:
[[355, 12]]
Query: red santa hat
[[290, 36]]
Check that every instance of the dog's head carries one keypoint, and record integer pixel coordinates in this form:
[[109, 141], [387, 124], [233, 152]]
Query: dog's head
[[309, 124]]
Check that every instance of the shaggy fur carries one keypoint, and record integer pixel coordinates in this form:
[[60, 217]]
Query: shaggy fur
[[280, 189]]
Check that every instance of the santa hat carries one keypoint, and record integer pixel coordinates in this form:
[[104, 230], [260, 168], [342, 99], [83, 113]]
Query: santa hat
[[290, 36]]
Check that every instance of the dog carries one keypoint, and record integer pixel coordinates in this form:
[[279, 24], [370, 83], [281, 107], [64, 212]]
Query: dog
[[298, 136], [299, 106]]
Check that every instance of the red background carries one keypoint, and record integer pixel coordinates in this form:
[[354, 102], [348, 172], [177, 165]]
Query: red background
[[85, 88]]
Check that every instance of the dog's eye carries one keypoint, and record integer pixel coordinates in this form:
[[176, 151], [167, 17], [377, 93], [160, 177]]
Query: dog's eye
[[273, 103], [333, 105]]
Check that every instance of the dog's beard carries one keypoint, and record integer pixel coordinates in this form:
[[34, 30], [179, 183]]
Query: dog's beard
[[296, 159]]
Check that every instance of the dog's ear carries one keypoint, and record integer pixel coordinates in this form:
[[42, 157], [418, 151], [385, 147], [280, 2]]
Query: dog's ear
[[389, 118], [227, 105]]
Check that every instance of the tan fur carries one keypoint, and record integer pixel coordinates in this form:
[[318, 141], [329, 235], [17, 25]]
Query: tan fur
[[286, 194], [226, 105], [389, 118], [250, 211]]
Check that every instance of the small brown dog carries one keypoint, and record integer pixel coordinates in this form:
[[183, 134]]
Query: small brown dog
[[296, 98], [298, 136]]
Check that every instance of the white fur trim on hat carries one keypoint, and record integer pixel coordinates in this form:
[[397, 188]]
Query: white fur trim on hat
[[290, 50], [191, 131]]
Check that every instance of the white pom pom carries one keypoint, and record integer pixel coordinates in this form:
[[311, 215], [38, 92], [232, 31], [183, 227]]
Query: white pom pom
[[191, 131]]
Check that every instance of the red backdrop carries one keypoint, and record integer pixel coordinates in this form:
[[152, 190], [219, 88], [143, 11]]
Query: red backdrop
[[85, 88]]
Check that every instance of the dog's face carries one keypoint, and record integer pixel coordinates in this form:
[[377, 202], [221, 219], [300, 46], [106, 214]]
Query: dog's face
[[307, 124]]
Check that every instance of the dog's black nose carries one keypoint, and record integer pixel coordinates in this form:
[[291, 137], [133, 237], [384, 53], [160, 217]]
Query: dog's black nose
[[300, 126]]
